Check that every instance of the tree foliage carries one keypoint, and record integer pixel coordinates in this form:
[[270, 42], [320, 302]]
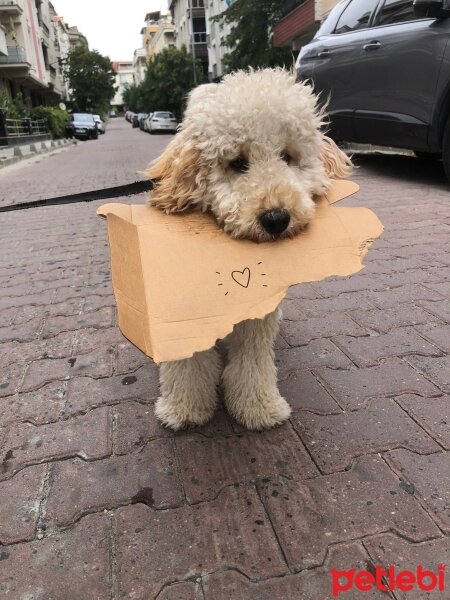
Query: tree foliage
[[91, 79], [250, 39], [168, 79], [131, 97], [13, 108], [56, 119]]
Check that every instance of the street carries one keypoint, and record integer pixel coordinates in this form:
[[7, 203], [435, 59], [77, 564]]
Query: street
[[114, 159], [99, 501]]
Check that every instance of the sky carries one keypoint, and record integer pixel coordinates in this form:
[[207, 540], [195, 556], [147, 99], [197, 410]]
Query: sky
[[111, 27]]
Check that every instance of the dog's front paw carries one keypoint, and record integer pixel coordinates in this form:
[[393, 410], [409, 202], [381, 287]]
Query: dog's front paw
[[177, 414], [259, 410]]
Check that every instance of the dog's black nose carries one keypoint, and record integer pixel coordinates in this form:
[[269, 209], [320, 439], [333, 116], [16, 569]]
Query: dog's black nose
[[275, 221]]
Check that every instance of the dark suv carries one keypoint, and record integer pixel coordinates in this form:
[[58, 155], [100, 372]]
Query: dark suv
[[385, 65], [82, 126]]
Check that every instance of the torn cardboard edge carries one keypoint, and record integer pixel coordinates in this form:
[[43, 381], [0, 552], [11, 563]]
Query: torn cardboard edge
[[181, 283]]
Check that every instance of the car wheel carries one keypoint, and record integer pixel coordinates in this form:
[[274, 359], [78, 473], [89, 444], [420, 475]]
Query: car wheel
[[446, 149]]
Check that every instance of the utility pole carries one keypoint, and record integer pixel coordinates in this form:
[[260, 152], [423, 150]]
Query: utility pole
[[191, 26]]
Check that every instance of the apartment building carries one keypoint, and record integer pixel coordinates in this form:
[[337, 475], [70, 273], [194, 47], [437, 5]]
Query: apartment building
[[157, 34], [62, 42], [161, 33], [139, 65], [216, 36], [54, 54], [301, 19], [189, 19], [31, 47], [76, 38], [124, 77]]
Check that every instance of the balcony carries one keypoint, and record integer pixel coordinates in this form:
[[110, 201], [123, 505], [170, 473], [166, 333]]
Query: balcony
[[16, 56], [51, 72], [288, 6], [297, 26], [10, 7], [196, 8]]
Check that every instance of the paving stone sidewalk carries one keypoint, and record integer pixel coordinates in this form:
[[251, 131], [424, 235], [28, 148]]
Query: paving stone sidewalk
[[115, 159], [98, 501]]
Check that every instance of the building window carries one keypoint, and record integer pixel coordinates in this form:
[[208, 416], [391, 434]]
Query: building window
[[45, 53], [39, 11], [199, 24], [200, 37]]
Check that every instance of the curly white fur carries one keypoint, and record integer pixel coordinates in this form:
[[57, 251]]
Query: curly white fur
[[251, 144]]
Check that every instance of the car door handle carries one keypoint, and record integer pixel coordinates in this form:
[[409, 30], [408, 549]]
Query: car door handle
[[324, 54], [374, 45]]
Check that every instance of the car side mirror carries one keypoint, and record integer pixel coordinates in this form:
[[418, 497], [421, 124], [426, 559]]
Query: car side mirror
[[439, 9]]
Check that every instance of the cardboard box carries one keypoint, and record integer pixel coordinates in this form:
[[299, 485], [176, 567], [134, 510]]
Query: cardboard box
[[181, 283]]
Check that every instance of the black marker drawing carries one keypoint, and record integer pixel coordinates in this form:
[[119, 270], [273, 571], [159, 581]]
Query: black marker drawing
[[242, 278]]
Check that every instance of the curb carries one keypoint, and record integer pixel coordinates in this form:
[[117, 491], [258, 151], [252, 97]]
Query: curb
[[14, 154]]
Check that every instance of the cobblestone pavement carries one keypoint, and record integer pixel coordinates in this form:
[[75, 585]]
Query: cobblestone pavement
[[98, 501], [116, 158]]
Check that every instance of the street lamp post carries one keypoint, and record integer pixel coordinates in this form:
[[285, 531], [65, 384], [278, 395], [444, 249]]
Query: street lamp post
[[191, 25]]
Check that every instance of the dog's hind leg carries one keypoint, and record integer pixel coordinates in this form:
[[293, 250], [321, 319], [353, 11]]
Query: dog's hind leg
[[250, 378], [189, 390]]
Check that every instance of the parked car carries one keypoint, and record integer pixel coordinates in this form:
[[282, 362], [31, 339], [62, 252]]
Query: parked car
[[142, 121], [101, 125], [112, 114], [385, 66], [162, 121], [136, 118], [129, 115], [82, 126], [147, 122]]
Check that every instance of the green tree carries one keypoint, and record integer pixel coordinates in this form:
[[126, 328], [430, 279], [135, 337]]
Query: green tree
[[131, 97], [168, 79], [250, 39], [91, 79]]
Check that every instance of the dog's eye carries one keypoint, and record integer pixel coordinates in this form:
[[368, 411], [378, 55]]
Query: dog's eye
[[286, 157], [239, 164]]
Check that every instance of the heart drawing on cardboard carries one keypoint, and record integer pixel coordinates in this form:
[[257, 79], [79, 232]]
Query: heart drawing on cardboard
[[242, 278]]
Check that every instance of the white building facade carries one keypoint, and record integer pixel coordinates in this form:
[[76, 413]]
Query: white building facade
[[139, 65], [30, 56], [124, 78], [190, 30], [163, 37], [217, 34]]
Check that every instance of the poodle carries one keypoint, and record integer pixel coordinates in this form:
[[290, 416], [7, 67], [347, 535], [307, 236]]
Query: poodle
[[250, 150]]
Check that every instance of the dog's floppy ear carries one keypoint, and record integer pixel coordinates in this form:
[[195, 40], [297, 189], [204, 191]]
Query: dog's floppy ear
[[337, 164], [180, 177]]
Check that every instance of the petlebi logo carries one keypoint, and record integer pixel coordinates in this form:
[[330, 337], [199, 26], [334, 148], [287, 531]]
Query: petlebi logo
[[388, 579]]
